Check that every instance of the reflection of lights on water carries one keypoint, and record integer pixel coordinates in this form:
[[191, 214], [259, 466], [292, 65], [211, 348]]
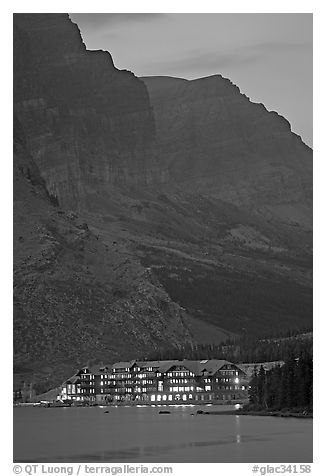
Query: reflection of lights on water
[[238, 428], [179, 405]]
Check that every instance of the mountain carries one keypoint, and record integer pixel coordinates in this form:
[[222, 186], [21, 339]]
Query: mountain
[[147, 211]]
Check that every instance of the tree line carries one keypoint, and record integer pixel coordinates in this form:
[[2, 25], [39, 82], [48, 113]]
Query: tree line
[[245, 349], [289, 386]]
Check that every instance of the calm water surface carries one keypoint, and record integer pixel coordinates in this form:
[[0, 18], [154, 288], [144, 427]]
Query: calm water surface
[[141, 434]]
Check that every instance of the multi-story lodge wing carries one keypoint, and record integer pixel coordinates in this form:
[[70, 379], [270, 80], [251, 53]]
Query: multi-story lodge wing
[[82, 386], [168, 381]]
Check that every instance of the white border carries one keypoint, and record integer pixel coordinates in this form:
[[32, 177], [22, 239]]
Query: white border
[[168, 6]]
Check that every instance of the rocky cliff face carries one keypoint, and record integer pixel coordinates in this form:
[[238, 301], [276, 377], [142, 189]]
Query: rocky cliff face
[[214, 140], [148, 211], [88, 124]]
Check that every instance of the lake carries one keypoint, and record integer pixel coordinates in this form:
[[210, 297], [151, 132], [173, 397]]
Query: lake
[[141, 434]]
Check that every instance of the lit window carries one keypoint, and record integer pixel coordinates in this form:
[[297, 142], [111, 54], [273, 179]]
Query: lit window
[[184, 397], [170, 397], [152, 398], [207, 387], [164, 397]]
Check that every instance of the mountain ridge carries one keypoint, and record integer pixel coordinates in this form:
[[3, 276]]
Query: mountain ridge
[[148, 78]]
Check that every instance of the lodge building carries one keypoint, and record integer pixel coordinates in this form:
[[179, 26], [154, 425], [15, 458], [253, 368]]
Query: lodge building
[[158, 382]]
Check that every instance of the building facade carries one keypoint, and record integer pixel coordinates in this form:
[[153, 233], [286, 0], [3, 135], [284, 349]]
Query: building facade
[[158, 382]]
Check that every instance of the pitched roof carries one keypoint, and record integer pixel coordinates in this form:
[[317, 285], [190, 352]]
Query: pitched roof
[[197, 367], [97, 369], [105, 368], [73, 379], [212, 366], [123, 365], [153, 363]]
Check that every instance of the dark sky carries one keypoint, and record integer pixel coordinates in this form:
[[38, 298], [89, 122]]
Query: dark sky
[[268, 55]]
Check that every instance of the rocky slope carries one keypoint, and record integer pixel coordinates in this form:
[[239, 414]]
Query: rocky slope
[[76, 297], [148, 210]]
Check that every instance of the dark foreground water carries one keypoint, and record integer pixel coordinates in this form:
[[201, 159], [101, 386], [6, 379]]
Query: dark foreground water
[[141, 434]]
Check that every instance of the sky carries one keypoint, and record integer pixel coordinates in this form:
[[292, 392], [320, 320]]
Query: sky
[[267, 55]]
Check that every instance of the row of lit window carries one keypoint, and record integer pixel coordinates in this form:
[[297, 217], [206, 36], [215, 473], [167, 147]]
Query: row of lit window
[[171, 389], [180, 374], [121, 369], [121, 376], [130, 390], [179, 380], [230, 387], [135, 369], [175, 373], [181, 389], [236, 380], [130, 382], [163, 398], [229, 372], [126, 376]]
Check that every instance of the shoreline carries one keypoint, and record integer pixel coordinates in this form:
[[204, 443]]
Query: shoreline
[[57, 404], [236, 412], [276, 413]]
